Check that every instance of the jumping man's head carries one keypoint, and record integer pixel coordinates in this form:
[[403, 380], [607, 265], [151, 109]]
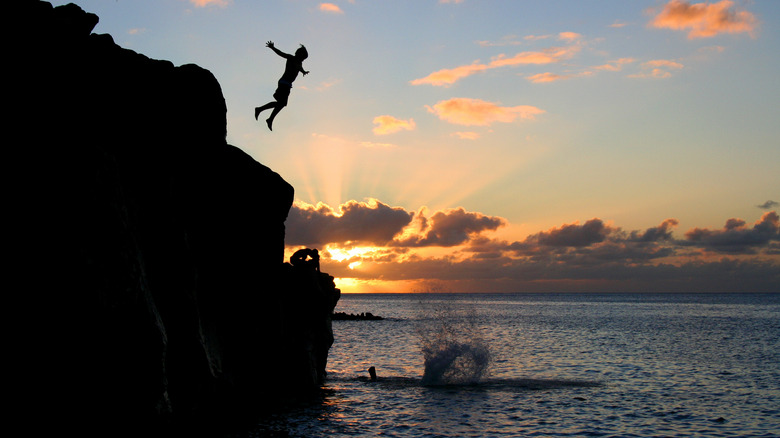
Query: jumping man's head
[[301, 53]]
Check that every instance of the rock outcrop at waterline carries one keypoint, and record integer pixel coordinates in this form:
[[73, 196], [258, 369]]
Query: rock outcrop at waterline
[[148, 252], [363, 316]]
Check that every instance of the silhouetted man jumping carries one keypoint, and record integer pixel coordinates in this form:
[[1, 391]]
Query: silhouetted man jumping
[[291, 69]]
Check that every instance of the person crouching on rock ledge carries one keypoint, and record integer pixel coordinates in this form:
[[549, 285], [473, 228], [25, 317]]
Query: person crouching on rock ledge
[[299, 259], [292, 67]]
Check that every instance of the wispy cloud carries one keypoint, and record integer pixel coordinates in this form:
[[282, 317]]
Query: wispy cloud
[[546, 77], [389, 124], [655, 73], [768, 205], [508, 40], [711, 49], [204, 3], [705, 20], [467, 135], [657, 69], [446, 77], [330, 8], [548, 56], [449, 76], [658, 63], [615, 65], [535, 37], [569, 36], [324, 85], [476, 112]]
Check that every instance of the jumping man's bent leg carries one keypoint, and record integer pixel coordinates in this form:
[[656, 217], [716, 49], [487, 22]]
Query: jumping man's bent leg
[[270, 120], [260, 109]]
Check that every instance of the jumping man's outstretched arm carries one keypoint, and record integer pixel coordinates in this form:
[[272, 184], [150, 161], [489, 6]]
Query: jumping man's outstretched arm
[[270, 45]]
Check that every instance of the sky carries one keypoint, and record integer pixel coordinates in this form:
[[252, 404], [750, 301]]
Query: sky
[[504, 145]]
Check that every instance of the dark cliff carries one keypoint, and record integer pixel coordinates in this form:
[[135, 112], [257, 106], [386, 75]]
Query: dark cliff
[[148, 251]]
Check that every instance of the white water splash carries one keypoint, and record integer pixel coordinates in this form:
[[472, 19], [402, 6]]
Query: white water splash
[[454, 351], [455, 363]]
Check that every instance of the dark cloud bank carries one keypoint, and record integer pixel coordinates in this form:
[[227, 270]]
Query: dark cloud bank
[[592, 256]]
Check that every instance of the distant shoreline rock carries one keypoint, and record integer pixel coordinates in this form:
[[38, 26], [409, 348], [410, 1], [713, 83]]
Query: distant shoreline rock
[[367, 316]]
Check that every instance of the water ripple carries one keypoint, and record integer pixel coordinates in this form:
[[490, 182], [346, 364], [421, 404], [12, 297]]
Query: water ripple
[[561, 366]]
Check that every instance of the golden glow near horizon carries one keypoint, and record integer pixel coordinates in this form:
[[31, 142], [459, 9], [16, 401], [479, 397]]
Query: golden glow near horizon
[[504, 146]]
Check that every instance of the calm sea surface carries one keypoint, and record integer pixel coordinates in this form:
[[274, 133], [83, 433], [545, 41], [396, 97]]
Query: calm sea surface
[[616, 365]]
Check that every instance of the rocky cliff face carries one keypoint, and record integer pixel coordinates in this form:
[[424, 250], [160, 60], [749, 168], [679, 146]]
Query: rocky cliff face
[[149, 251]]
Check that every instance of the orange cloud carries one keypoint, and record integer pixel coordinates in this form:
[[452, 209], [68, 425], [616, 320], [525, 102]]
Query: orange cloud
[[548, 56], [545, 77], [615, 65], [465, 111], [662, 63], [389, 124], [330, 7], [569, 36], [655, 73], [204, 3], [655, 69], [705, 20], [447, 77]]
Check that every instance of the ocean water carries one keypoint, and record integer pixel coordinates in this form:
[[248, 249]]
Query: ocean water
[[599, 365]]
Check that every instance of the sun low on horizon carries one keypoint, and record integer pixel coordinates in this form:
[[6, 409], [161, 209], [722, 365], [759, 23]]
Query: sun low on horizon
[[503, 146]]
